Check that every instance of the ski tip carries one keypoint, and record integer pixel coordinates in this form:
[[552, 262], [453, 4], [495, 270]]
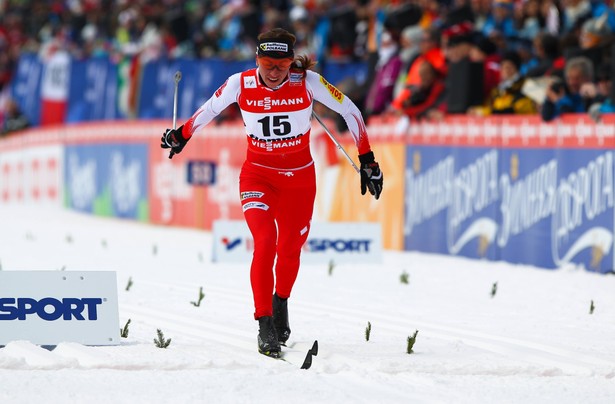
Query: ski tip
[[314, 349]]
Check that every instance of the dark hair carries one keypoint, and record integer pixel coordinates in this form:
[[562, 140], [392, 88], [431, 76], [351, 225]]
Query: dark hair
[[277, 33], [485, 44], [513, 57], [550, 45], [604, 72], [301, 63]]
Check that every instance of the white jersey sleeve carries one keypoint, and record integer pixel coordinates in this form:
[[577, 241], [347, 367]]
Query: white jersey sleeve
[[331, 97], [224, 96]]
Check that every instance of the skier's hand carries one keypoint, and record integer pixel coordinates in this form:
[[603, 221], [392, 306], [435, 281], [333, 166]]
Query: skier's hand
[[371, 176], [173, 139]]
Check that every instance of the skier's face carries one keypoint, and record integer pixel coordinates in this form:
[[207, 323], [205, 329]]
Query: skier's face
[[273, 71]]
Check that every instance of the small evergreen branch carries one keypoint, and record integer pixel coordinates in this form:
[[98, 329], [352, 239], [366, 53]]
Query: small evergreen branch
[[411, 341], [368, 331], [331, 266], [129, 284], [494, 289], [200, 299], [161, 342], [403, 278], [124, 331], [591, 307]]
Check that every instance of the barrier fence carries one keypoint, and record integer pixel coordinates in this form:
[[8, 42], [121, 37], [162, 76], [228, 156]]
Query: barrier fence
[[507, 188]]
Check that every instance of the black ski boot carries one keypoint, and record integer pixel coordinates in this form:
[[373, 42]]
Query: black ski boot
[[280, 319], [267, 339]]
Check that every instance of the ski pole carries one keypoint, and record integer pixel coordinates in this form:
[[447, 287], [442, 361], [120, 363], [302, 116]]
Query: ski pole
[[178, 77], [337, 144]]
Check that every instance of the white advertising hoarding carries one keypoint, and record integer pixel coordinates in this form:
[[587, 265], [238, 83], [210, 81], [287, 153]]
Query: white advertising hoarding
[[340, 242], [32, 175], [50, 307]]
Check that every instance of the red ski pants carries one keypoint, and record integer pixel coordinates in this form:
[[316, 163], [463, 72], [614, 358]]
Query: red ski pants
[[277, 205]]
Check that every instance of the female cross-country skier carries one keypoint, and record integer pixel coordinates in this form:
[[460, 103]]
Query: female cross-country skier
[[277, 182]]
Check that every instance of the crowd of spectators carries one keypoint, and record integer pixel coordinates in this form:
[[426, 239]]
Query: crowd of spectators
[[502, 57], [425, 58]]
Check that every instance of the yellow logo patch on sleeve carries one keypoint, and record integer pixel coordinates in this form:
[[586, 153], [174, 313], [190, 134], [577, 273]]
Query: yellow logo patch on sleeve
[[335, 93]]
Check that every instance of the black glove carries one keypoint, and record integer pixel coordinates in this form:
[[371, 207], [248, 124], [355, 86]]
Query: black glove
[[371, 176], [173, 139]]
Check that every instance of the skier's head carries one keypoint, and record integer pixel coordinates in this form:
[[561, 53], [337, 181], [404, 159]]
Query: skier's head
[[275, 55]]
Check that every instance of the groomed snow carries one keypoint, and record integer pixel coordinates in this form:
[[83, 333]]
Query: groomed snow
[[533, 342]]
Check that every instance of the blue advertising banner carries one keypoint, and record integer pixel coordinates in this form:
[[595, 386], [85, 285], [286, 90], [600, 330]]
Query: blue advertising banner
[[93, 91], [94, 86], [544, 207], [450, 201], [199, 80], [26, 86], [583, 220], [107, 180], [527, 186]]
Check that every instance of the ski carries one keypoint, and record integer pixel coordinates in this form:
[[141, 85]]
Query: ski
[[313, 351], [307, 361]]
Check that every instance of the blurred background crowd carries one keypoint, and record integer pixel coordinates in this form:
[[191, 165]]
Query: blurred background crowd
[[425, 58]]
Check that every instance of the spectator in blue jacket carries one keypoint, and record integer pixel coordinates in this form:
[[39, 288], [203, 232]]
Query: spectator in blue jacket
[[501, 20], [566, 97]]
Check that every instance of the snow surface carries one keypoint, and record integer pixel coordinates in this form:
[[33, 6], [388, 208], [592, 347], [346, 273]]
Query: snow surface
[[533, 342]]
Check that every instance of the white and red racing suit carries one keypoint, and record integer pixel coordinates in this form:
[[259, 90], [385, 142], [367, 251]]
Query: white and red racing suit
[[277, 182]]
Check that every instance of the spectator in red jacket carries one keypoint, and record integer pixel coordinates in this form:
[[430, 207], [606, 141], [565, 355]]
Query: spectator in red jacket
[[431, 52], [418, 101]]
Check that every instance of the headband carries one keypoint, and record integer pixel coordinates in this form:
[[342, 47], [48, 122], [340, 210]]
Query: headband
[[280, 48]]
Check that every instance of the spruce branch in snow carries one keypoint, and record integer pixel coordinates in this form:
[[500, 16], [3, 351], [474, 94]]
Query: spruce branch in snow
[[124, 331], [200, 299], [331, 266], [129, 284], [494, 289], [161, 342], [368, 331], [591, 307], [403, 278], [411, 341]]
